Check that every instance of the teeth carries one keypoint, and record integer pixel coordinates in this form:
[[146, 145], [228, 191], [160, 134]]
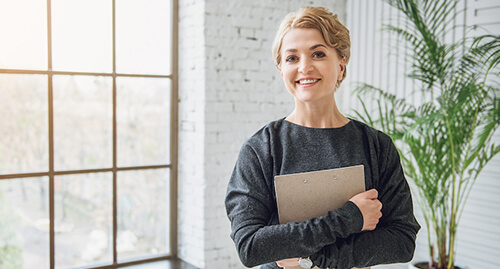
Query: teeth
[[307, 81]]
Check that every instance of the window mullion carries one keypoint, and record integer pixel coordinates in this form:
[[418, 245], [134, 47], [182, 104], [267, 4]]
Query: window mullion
[[51, 138], [115, 185]]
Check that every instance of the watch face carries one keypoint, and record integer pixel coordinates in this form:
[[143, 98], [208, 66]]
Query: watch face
[[305, 263]]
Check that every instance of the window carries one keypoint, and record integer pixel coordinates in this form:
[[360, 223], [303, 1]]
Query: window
[[88, 136]]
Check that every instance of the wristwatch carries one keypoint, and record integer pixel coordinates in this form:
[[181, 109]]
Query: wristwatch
[[305, 263]]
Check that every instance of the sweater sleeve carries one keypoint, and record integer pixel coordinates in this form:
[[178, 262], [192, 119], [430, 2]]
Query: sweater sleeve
[[393, 240], [251, 208]]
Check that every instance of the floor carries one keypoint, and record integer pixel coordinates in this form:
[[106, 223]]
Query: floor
[[168, 264], [178, 264]]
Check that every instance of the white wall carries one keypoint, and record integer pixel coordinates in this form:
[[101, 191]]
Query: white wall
[[228, 89]]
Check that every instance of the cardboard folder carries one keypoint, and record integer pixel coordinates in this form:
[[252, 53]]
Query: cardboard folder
[[307, 195]]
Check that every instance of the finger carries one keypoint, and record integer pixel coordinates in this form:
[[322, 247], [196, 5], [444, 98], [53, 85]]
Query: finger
[[372, 194]]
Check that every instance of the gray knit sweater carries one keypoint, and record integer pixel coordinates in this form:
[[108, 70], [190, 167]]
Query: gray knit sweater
[[333, 240]]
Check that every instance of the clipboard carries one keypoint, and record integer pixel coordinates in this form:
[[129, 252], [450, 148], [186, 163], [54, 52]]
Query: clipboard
[[303, 196]]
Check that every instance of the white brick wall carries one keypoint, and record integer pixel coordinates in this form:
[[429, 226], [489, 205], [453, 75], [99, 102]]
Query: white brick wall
[[228, 88], [191, 191]]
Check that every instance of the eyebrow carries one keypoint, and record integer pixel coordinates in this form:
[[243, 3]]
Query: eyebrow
[[311, 48]]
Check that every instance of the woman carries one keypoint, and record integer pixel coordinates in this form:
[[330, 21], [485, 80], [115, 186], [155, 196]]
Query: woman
[[377, 226]]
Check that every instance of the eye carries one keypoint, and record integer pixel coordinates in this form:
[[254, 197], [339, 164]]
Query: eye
[[291, 58], [319, 54]]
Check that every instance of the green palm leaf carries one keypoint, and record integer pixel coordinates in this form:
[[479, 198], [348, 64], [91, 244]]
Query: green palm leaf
[[445, 142]]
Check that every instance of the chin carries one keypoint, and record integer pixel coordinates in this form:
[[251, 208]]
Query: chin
[[308, 98]]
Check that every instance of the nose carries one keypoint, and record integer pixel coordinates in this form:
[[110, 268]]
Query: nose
[[305, 65]]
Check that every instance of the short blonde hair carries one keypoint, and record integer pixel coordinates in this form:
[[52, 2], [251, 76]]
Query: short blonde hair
[[335, 34]]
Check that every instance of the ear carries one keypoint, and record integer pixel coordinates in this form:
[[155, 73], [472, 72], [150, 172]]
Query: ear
[[342, 69], [281, 72]]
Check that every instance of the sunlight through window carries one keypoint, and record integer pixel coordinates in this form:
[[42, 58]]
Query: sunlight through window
[[86, 108]]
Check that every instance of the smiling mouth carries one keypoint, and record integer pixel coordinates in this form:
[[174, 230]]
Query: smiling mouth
[[307, 81]]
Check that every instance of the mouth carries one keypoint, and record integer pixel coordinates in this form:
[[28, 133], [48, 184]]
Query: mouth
[[308, 81]]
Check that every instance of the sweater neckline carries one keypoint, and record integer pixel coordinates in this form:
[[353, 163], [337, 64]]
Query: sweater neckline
[[312, 128]]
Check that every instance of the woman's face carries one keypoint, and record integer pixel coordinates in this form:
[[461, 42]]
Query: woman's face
[[309, 67]]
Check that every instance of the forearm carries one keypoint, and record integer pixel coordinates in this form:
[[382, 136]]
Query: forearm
[[383, 245], [258, 244]]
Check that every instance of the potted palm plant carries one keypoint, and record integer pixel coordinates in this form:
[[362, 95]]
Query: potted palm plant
[[446, 141]]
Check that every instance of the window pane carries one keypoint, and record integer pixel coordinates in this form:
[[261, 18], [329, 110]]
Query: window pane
[[24, 123], [143, 36], [24, 223], [143, 209], [24, 34], [82, 122], [143, 121], [82, 35], [83, 219]]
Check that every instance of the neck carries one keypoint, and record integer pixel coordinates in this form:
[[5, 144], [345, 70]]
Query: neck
[[317, 115]]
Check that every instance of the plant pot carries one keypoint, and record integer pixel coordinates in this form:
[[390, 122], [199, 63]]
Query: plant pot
[[413, 265]]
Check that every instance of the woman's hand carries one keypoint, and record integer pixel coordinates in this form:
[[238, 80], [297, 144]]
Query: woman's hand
[[288, 262], [370, 207]]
